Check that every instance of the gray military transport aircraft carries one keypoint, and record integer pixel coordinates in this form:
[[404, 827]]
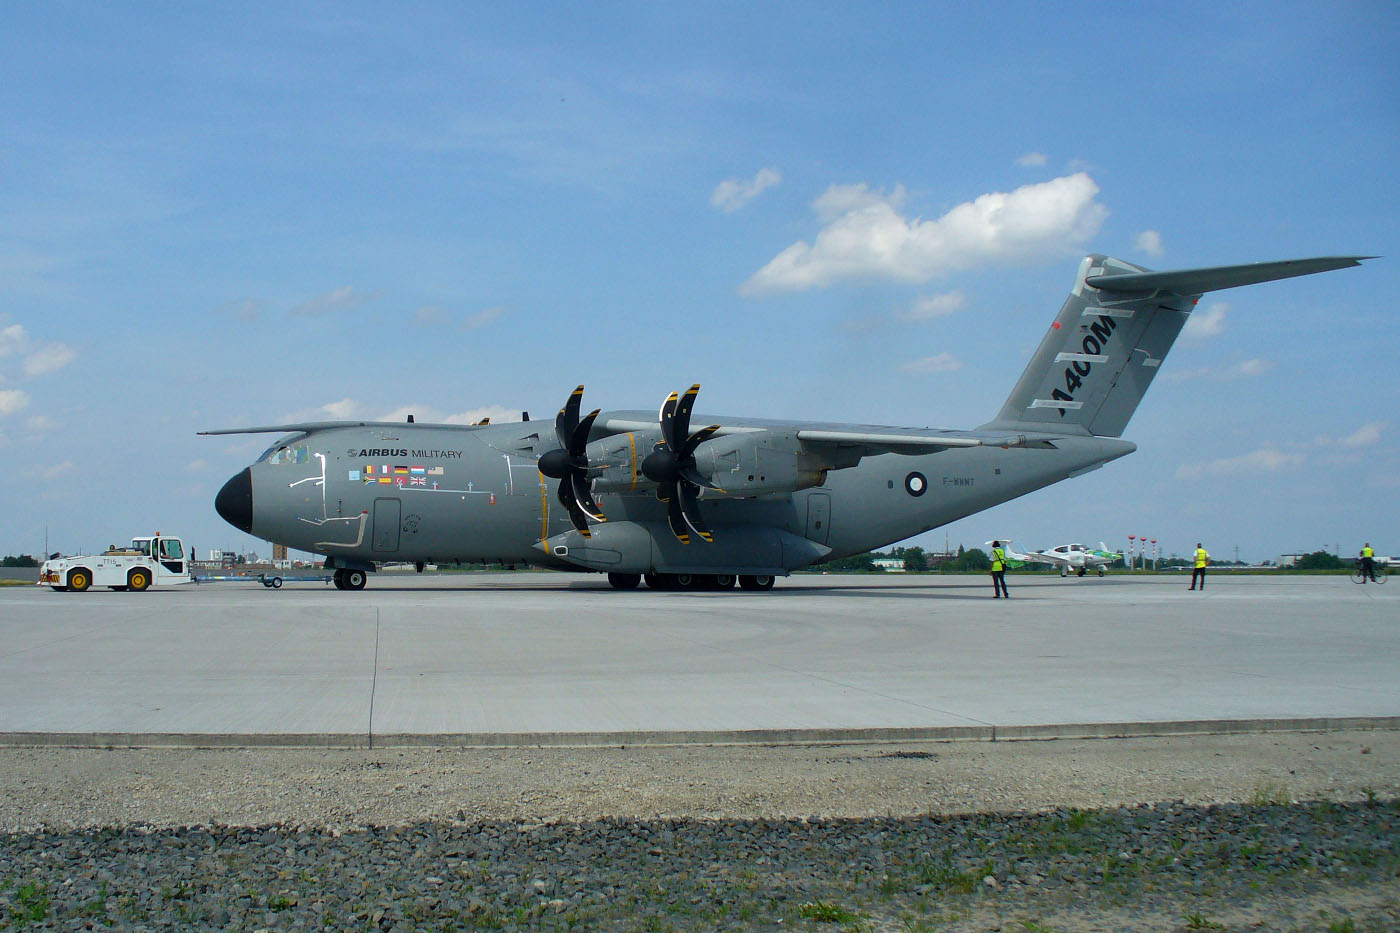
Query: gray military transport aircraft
[[636, 495]]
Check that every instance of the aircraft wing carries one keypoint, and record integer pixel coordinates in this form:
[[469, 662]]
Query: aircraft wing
[[306, 427], [1040, 557], [864, 440]]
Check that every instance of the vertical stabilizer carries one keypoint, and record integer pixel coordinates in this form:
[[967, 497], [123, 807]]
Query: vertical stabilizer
[[1104, 348]]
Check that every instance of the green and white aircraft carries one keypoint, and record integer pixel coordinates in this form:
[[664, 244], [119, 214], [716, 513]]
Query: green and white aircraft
[[691, 501]]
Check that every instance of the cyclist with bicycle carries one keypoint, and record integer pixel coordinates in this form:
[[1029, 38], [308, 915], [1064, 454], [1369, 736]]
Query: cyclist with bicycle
[[1368, 563]]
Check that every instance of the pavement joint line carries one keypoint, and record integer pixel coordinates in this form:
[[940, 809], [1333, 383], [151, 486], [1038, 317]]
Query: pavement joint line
[[373, 683], [664, 738]]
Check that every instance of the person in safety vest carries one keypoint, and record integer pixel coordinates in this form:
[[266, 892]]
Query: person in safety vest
[[999, 571], [1199, 571], [1368, 563]]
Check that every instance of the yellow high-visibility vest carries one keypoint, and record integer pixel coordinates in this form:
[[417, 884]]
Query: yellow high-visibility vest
[[1201, 557], [1367, 552], [998, 559]]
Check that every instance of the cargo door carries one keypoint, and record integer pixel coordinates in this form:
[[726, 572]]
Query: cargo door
[[387, 515], [818, 517]]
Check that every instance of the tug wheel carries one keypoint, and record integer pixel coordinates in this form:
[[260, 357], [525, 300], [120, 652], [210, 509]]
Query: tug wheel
[[138, 580], [79, 580]]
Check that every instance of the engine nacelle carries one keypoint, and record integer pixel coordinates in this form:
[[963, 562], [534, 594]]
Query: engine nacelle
[[761, 463], [615, 462], [742, 465]]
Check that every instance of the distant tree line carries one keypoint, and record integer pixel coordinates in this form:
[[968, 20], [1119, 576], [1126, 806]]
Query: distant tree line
[[916, 560], [22, 560]]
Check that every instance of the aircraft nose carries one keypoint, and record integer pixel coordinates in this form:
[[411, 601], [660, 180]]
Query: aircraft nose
[[234, 503]]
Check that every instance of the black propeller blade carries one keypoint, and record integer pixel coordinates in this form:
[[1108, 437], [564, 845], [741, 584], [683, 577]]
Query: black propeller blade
[[671, 465], [569, 463]]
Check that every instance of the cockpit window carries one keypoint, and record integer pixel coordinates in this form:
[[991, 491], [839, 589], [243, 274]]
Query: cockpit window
[[170, 549], [143, 546], [293, 453], [287, 443]]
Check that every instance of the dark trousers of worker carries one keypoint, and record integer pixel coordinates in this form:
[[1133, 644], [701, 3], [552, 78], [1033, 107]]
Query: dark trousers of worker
[[999, 584], [1368, 569], [1198, 572]]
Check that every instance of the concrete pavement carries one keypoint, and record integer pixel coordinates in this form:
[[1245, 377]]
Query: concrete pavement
[[536, 658]]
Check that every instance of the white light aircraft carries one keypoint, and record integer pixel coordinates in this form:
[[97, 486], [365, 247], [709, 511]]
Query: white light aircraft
[[1067, 557]]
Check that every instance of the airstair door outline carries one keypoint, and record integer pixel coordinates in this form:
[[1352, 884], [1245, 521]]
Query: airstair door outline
[[387, 515]]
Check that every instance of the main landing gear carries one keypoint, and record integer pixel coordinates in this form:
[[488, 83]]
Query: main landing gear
[[349, 579], [687, 581]]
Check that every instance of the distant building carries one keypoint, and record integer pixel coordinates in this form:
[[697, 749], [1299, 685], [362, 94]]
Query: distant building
[[888, 563]]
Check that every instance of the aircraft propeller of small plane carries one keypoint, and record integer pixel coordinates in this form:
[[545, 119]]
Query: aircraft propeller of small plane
[[638, 495]]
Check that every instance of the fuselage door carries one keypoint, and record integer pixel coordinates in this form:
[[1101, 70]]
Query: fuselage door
[[818, 517], [387, 515]]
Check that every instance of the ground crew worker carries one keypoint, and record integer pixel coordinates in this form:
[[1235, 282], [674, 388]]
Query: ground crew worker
[[1202, 558], [999, 571], [1368, 563]]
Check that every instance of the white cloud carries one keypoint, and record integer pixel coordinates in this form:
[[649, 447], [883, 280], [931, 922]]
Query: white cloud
[[1263, 460], [866, 236], [1207, 323], [339, 300], [482, 318], [48, 359], [1031, 160], [246, 309], [1244, 369], [942, 363], [429, 316], [1254, 366], [931, 306], [40, 423], [1149, 242], [13, 339], [342, 410], [1364, 436], [733, 193], [55, 471], [12, 400], [473, 415]]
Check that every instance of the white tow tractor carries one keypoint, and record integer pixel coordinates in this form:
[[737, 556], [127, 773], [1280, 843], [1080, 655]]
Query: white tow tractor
[[155, 561]]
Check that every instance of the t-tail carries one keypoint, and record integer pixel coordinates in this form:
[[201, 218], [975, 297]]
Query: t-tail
[[1102, 351]]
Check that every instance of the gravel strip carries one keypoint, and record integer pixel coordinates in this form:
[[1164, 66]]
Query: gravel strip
[[1295, 832]]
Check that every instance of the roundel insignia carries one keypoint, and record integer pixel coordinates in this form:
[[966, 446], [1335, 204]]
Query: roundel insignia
[[915, 484]]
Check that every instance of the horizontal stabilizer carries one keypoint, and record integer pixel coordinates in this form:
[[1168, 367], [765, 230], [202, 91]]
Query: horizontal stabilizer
[[1200, 281]]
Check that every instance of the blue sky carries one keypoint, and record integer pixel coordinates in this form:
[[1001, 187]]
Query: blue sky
[[217, 215]]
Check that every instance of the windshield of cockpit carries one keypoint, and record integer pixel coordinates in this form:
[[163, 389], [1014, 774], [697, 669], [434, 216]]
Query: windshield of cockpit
[[143, 545], [286, 450]]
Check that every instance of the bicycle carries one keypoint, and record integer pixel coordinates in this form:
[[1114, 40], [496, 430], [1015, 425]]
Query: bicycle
[[1358, 576]]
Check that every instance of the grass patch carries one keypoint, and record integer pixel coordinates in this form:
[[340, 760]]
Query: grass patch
[[1270, 795], [826, 912], [31, 903]]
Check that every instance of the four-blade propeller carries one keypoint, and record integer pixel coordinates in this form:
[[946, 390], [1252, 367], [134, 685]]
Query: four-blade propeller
[[569, 464], [671, 465]]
